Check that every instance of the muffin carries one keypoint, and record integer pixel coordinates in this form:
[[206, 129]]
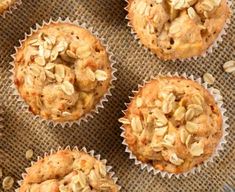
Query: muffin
[[67, 171], [172, 124], [178, 29], [62, 72], [5, 4]]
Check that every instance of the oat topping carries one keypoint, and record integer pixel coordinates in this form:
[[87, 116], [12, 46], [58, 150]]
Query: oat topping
[[173, 124], [124, 121], [178, 28], [68, 171], [175, 160], [62, 68], [196, 149]]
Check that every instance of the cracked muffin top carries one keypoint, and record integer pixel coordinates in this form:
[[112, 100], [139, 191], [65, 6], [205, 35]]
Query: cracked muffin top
[[4, 4], [62, 71], [178, 29], [68, 171], [172, 124]]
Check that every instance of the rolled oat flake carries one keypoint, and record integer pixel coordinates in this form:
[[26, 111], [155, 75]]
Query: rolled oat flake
[[208, 78], [7, 183], [29, 154], [229, 66]]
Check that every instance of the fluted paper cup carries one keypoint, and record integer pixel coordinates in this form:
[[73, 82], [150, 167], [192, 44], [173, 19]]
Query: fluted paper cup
[[10, 8]]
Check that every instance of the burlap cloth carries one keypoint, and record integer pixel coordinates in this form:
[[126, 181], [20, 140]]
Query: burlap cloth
[[134, 64]]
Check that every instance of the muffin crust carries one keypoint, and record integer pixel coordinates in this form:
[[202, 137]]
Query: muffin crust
[[62, 71], [4, 4], [172, 124], [178, 29], [68, 171]]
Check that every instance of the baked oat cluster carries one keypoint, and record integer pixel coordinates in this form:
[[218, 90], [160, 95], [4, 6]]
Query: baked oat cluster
[[62, 71], [172, 124], [68, 171], [178, 29], [4, 4]]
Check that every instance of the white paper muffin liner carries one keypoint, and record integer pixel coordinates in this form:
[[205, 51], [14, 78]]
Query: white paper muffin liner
[[99, 105], [209, 50], [110, 173], [218, 99], [11, 8]]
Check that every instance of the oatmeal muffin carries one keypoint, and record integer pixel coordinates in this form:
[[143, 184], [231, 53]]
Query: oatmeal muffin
[[68, 171], [178, 29], [172, 124], [5, 4], [62, 71]]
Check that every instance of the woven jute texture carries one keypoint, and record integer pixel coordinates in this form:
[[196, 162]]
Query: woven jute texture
[[102, 133]]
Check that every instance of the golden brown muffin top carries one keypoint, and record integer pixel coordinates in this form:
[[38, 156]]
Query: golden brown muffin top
[[68, 171], [178, 29], [62, 71], [172, 124], [4, 4]]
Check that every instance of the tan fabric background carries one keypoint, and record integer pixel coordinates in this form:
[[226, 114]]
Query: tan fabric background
[[134, 64]]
